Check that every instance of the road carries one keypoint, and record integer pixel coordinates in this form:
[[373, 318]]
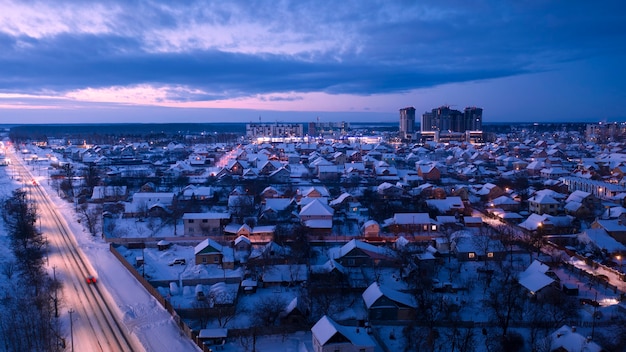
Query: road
[[94, 325]]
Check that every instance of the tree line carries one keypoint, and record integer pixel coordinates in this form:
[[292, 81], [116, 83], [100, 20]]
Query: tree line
[[29, 301]]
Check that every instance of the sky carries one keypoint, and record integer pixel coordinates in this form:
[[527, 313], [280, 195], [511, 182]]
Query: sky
[[112, 61]]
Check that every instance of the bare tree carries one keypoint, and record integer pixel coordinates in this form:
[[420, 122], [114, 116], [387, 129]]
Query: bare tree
[[460, 339], [266, 312], [8, 269], [91, 216], [505, 300]]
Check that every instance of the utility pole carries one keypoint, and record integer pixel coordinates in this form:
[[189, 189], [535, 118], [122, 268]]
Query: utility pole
[[593, 318], [56, 288], [71, 311]]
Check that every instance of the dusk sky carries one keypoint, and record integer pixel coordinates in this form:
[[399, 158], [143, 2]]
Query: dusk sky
[[235, 61]]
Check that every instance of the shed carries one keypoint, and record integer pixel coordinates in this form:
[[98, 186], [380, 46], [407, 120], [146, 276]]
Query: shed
[[213, 336], [163, 245]]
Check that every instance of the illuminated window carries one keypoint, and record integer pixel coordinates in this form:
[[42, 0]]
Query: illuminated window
[[490, 255], [471, 255], [433, 227]]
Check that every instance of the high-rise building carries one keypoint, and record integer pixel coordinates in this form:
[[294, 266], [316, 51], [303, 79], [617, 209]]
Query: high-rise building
[[331, 129], [445, 124], [444, 119], [274, 130], [407, 122], [473, 118]]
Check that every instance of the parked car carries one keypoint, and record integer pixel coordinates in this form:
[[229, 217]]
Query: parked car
[[180, 261]]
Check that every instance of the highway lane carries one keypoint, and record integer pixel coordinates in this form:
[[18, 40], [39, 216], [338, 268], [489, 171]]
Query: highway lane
[[95, 326]]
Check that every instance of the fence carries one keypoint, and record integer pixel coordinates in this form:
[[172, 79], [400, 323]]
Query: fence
[[155, 293]]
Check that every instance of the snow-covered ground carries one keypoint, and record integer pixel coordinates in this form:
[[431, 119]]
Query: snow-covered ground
[[154, 327]]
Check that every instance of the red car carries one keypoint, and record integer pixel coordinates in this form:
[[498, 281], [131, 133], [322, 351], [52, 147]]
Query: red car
[[90, 279]]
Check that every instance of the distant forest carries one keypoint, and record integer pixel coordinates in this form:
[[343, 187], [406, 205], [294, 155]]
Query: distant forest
[[103, 133]]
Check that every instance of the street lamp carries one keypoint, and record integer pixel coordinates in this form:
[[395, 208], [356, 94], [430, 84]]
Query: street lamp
[[71, 311]]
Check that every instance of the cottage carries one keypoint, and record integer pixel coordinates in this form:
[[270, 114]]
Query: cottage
[[357, 253], [478, 247], [328, 336], [383, 303], [204, 224], [211, 252]]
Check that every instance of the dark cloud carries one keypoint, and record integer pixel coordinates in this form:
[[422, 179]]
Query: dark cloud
[[390, 46]]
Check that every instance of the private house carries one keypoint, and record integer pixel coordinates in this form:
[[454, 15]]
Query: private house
[[600, 240], [149, 204], [585, 198], [282, 175], [370, 229], [428, 171], [566, 339], [383, 303], [473, 221], [270, 192], [389, 191], [329, 172], [505, 203], [312, 192], [477, 247], [284, 275], [328, 336], [270, 254], [447, 206], [411, 223], [204, 224], [316, 210], [542, 203], [614, 227], [553, 173], [197, 192], [534, 278], [236, 167], [277, 209], [357, 253], [328, 275], [296, 313], [489, 191], [109, 193], [211, 252], [242, 246]]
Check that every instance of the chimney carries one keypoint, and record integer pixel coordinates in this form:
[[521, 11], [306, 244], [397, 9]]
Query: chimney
[[574, 328], [588, 339]]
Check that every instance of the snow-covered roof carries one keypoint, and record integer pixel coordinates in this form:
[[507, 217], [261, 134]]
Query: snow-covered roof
[[566, 339], [375, 291], [533, 221], [316, 208], [367, 247], [601, 239], [578, 196], [207, 215], [534, 277], [207, 243], [447, 204], [326, 328], [410, 219]]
